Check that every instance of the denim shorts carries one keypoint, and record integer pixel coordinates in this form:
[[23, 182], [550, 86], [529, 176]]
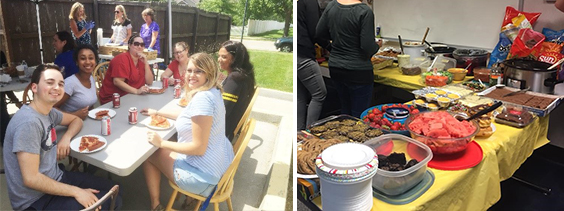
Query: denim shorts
[[193, 180]]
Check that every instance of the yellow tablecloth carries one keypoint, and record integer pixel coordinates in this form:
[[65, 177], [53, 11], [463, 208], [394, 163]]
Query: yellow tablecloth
[[478, 188], [392, 76]]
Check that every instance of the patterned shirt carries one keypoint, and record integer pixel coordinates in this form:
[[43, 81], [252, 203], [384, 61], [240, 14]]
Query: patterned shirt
[[85, 38]]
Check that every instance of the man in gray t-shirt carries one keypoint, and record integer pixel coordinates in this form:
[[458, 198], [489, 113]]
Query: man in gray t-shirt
[[32, 148]]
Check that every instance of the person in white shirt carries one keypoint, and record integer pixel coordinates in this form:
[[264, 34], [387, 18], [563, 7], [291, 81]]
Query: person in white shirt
[[80, 88], [121, 26], [203, 153]]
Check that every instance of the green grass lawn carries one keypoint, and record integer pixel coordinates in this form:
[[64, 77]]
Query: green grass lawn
[[273, 70], [274, 34]]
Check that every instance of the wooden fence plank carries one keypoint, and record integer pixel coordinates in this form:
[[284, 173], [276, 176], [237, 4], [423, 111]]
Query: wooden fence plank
[[202, 30]]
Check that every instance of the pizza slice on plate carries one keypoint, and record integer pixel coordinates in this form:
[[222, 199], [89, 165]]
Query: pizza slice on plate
[[156, 91], [89, 143], [183, 102], [159, 121], [100, 114]]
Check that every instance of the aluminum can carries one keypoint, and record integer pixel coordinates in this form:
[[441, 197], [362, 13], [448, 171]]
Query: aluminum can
[[177, 91], [165, 82], [106, 126], [176, 82], [132, 116], [116, 101]]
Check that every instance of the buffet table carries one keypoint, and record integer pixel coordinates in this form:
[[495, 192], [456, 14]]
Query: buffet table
[[392, 76], [476, 188]]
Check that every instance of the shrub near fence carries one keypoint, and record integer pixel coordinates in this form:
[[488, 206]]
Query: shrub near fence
[[203, 31]]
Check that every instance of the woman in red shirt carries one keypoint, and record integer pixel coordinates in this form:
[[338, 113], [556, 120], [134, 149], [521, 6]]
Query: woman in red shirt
[[127, 73], [177, 68]]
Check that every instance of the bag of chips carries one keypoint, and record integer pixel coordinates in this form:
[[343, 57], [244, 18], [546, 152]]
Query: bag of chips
[[511, 13], [528, 45], [550, 52], [553, 36], [501, 50]]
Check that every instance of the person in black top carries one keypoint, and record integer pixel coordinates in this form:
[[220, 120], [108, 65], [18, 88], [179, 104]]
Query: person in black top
[[350, 24], [311, 88], [238, 87]]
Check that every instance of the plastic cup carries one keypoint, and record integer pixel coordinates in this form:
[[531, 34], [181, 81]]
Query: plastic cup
[[403, 60], [21, 71]]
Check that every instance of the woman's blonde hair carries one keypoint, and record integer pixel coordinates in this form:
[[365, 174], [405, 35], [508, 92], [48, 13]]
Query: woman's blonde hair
[[122, 10], [74, 11], [206, 63]]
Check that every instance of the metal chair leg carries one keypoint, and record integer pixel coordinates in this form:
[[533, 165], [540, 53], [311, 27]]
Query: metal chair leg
[[545, 191]]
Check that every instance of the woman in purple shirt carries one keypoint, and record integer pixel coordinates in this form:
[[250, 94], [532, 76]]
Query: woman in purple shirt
[[150, 31]]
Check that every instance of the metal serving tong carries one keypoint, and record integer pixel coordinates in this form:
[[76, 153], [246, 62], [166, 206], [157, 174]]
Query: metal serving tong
[[516, 92]]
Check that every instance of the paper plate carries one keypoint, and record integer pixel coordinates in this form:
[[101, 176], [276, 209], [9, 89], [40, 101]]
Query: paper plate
[[92, 113], [178, 103], [75, 144], [147, 121], [306, 176]]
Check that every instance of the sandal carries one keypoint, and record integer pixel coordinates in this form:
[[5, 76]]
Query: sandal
[[159, 208]]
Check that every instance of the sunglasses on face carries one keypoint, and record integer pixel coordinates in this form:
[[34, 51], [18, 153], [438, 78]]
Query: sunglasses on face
[[116, 11], [139, 44]]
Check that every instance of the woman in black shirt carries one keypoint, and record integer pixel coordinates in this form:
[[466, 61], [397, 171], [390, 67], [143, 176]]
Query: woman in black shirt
[[238, 87], [350, 25]]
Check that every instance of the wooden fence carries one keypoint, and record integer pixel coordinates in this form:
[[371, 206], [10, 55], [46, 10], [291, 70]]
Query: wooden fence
[[203, 31]]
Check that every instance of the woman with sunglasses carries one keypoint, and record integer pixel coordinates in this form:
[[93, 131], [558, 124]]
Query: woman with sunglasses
[[177, 68], [127, 73], [202, 153], [121, 26], [150, 31]]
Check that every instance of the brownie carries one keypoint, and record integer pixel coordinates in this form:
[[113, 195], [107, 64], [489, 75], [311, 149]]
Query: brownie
[[519, 117], [395, 162], [525, 99]]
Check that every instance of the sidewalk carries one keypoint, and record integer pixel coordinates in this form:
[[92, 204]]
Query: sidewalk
[[261, 182]]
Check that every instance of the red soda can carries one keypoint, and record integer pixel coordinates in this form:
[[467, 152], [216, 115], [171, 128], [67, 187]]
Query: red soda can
[[106, 126], [116, 100], [177, 91], [132, 117], [165, 82], [176, 82]]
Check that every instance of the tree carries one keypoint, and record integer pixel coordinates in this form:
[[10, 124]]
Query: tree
[[280, 10], [284, 8]]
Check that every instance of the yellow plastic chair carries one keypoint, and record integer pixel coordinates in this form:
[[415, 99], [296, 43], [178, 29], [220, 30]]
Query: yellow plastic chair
[[225, 185], [112, 194]]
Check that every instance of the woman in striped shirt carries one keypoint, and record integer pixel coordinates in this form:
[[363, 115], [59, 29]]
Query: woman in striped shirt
[[202, 154]]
